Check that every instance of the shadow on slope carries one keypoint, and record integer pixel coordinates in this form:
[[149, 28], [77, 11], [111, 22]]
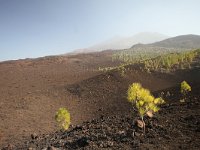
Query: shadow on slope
[[176, 126], [105, 94]]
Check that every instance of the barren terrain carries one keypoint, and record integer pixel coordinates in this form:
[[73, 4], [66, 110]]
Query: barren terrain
[[33, 90]]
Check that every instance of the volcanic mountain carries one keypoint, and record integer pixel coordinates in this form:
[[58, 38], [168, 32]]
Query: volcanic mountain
[[119, 42], [189, 41]]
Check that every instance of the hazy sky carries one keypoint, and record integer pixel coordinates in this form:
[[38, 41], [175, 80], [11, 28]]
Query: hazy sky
[[32, 28]]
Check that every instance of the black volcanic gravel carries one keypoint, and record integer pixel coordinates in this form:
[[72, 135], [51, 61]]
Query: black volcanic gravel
[[176, 126]]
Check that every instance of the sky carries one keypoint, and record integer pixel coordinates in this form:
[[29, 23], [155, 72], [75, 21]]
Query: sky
[[35, 28]]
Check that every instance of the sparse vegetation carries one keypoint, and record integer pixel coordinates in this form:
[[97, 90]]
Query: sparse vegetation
[[185, 88], [142, 99], [166, 62], [63, 118], [121, 69], [140, 54], [97, 101], [154, 61]]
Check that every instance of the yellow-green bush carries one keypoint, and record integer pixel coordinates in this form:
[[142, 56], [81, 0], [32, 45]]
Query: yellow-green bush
[[185, 87], [63, 118], [142, 99]]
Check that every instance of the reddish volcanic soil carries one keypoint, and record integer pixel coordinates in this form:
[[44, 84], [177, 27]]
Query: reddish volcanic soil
[[28, 97], [33, 90]]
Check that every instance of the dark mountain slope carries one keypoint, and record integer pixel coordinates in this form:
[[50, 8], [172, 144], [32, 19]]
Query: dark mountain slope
[[176, 126], [183, 41]]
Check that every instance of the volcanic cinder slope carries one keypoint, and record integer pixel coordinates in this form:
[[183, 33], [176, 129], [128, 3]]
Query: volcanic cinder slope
[[29, 92], [33, 90]]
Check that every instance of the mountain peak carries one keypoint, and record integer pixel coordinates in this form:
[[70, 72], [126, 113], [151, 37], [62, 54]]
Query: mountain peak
[[119, 42]]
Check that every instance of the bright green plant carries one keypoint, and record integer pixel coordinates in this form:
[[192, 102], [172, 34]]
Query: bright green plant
[[142, 99], [63, 118], [185, 88]]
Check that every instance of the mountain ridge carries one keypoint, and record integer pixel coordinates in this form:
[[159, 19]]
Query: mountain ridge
[[188, 41], [117, 43]]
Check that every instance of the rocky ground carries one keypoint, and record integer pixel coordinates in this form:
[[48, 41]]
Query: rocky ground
[[33, 90], [176, 126]]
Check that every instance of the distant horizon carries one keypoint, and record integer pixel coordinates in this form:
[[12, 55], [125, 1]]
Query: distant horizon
[[32, 29], [72, 51]]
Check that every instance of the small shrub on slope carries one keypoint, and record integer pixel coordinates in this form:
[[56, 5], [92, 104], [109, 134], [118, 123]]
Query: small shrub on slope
[[63, 118], [142, 99], [185, 88]]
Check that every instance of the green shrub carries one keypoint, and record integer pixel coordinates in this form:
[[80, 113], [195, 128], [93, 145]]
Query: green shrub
[[142, 99], [168, 61], [63, 118], [185, 88]]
